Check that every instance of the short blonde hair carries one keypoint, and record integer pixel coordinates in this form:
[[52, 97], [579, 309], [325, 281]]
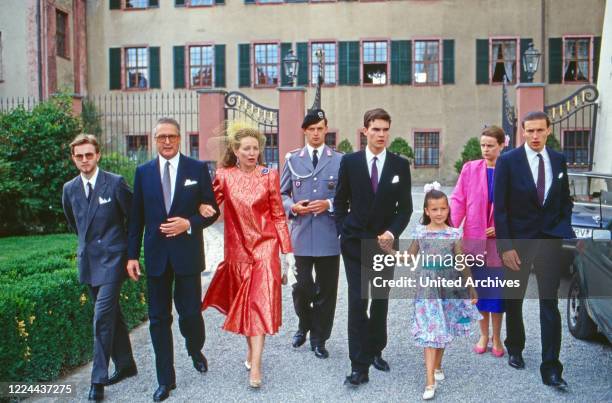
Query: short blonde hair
[[84, 138], [236, 131]]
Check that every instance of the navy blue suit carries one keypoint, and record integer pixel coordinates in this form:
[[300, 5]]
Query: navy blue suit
[[535, 231], [362, 215], [179, 259]]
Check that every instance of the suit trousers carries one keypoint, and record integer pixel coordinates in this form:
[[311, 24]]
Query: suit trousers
[[187, 299], [111, 337], [545, 257], [315, 300], [367, 328]]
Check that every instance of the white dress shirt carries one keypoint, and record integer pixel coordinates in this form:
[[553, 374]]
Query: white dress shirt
[[91, 180], [319, 150], [534, 162], [379, 163], [174, 161]]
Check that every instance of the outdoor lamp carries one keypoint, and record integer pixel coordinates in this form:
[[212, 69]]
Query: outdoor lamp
[[291, 64], [531, 60]]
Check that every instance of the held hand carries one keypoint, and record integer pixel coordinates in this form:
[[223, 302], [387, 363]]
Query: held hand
[[133, 269], [174, 226], [206, 210], [473, 296], [284, 279], [490, 232], [511, 260], [385, 241], [318, 206], [300, 208]]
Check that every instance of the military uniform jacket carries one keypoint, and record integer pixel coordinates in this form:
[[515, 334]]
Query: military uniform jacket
[[311, 235]]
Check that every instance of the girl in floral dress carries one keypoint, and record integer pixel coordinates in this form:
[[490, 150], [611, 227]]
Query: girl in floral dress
[[442, 312]]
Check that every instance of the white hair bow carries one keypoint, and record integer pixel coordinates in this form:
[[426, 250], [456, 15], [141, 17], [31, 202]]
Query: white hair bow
[[431, 186]]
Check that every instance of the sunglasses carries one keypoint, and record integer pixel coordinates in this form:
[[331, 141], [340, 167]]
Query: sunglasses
[[162, 138], [81, 157]]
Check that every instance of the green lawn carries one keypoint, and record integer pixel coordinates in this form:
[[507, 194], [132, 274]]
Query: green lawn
[[19, 247]]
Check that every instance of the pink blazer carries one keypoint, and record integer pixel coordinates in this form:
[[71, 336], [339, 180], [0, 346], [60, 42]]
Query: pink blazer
[[469, 206]]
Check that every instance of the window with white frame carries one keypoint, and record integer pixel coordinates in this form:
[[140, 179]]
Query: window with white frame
[[427, 62], [195, 3], [504, 62], [136, 3], [576, 59], [136, 68], [201, 59], [329, 62], [375, 61], [266, 64]]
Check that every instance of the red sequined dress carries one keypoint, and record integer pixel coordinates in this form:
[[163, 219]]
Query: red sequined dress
[[247, 284]]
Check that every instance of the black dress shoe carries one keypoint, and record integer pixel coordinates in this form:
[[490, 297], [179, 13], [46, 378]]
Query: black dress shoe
[[121, 374], [380, 364], [555, 381], [96, 392], [320, 351], [356, 378], [299, 338], [199, 362], [163, 392], [516, 361]]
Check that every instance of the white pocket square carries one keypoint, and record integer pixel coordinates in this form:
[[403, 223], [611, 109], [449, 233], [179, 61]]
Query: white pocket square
[[102, 200], [395, 179], [189, 182], [560, 175]]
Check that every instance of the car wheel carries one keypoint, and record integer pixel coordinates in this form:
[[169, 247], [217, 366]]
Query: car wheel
[[578, 321]]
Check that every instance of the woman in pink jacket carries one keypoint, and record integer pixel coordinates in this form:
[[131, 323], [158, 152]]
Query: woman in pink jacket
[[472, 207]]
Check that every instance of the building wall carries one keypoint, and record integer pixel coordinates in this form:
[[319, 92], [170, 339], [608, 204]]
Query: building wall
[[458, 110], [603, 139]]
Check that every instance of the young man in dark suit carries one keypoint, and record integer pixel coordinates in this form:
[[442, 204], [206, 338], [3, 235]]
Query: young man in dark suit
[[167, 193], [373, 203], [97, 205], [533, 212]]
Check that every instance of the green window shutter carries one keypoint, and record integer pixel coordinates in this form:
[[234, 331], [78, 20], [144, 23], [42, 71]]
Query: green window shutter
[[218, 2], [448, 61], [244, 65], [285, 48], [154, 78], [302, 55], [114, 68], [524, 46], [401, 62], [153, 3], [348, 63], [179, 66], [596, 51], [179, 3], [555, 60], [482, 61], [115, 4], [219, 65]]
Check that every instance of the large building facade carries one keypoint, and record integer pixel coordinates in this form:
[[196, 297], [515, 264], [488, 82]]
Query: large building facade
[[436, 65]]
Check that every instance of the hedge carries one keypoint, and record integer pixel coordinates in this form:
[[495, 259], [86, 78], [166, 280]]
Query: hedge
[[47, 316]]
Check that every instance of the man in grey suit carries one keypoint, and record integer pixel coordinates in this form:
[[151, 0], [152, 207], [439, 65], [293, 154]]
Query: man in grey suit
[[308, 185], [96, 204]]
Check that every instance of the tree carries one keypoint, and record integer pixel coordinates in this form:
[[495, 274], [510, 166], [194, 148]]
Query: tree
[[345, 146], [401, 147], [471, 151]]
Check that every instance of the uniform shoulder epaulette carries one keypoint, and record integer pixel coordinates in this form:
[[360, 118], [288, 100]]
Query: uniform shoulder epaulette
[[290, 153]]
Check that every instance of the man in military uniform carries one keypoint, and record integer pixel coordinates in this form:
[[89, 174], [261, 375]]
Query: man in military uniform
[[308, 185]]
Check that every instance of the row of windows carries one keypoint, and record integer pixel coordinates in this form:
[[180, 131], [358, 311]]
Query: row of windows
[[145, 4], [368, 62]]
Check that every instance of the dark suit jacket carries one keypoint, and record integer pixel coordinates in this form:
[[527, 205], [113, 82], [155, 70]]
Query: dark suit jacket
[[186, 251], [518, 213], [361, 214], [101, 227]]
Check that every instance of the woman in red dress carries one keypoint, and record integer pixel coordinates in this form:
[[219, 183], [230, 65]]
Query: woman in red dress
[[247, 284]]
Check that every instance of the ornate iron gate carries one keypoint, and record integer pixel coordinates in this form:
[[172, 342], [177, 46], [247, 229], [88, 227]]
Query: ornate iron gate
[[240, 107], [573, 121]]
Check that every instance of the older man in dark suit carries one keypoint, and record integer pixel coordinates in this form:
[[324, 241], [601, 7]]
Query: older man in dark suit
[[373, 203], [533, 213], [97, 204], [167, 193]]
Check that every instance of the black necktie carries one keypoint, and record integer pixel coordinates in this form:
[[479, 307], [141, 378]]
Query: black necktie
[[315, 157], [541, 184], [89, 191]]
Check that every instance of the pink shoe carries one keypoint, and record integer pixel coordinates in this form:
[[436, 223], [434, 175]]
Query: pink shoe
[[497, 353], [479, 350]]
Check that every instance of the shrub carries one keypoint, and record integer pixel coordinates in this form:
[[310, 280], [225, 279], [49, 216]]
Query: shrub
[[120, 165], [553, 143], [345, 146], [401, 147], [35, 144], [471, 151]]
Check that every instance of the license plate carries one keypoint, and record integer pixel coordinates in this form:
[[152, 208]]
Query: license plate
[[583, 232]]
